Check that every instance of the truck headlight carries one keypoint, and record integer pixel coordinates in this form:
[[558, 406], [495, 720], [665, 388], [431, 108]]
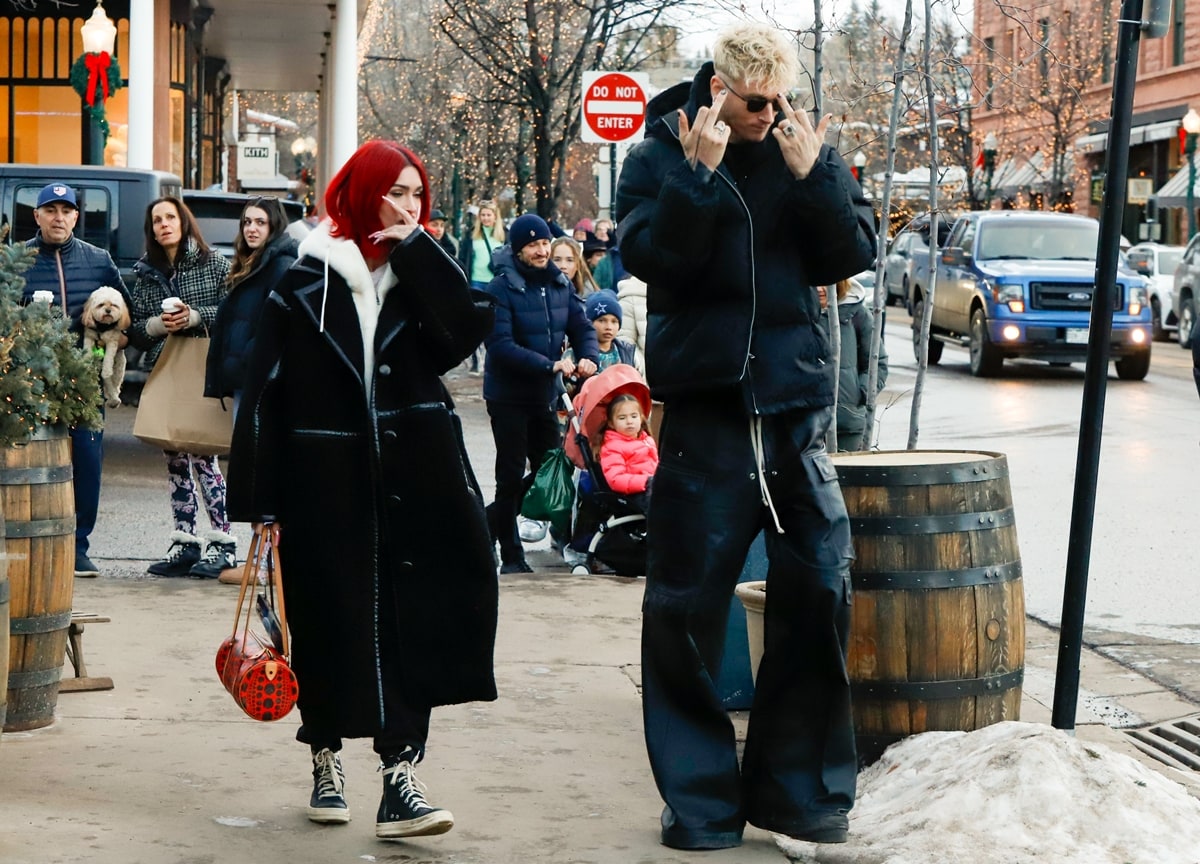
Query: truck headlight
[[1137, 299], [1011, 295]]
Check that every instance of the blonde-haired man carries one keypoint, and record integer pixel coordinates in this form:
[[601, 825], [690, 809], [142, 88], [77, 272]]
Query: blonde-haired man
[[731, 210]]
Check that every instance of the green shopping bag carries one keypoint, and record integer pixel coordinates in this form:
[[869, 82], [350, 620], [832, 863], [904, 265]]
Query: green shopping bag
[[552, 494]]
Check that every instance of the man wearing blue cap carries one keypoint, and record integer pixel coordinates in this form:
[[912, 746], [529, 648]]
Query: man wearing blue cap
[[71, 270], [536, 308]]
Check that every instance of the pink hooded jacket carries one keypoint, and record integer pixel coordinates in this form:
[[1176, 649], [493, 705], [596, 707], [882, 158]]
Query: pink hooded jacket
[[628, 463]]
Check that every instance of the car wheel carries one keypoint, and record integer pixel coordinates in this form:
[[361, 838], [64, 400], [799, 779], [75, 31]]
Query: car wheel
[[1157, 333], [985, 359], [1134, 367], [1187, 320], [935, 347]]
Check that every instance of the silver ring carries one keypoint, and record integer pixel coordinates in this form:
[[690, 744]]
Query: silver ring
[[789, 130], [719, 125]]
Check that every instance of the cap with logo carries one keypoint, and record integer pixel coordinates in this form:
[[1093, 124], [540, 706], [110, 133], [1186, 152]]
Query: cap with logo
[[56, 192]]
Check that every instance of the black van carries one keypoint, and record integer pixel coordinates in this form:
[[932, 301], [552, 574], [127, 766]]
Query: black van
[[112, 204]]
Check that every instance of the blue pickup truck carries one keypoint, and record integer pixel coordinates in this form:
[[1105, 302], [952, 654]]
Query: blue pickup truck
[[1019, 284]]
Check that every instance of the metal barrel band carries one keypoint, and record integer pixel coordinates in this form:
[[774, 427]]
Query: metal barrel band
[[926, 691], [39, 528], [950, 523], [33, 679], [924, 475], [35, 476], [907, 580], [40, 624]]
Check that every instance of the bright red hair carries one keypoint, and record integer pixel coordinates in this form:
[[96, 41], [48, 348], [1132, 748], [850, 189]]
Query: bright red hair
[[355, 193]]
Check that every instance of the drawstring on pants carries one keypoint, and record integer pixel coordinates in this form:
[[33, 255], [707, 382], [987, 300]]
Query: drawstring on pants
[[756, 443]]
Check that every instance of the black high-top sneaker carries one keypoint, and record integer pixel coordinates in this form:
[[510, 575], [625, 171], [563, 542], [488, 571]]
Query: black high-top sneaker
[[403, 810], [183, 555], [220, 555], [328, 801]]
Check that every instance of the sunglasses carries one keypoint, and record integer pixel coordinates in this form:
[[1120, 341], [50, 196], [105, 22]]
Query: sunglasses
[[754, 104]]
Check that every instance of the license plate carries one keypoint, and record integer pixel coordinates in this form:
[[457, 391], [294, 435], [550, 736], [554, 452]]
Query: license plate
[[1077, 335]]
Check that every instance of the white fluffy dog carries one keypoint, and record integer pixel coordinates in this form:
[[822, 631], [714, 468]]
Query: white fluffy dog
[[105, 315]]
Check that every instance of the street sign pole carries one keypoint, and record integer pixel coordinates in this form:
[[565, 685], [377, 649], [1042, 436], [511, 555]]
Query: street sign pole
[[1083, 511]]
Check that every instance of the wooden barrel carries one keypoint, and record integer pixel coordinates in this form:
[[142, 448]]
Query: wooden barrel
[[937, 637], [3, 627], [38, 502]]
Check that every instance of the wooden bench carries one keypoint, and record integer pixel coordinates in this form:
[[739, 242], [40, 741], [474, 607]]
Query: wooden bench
[[82, 681]]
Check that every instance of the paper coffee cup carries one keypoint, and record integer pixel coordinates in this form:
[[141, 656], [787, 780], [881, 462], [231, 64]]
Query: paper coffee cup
[[43, 296], [172, 304]]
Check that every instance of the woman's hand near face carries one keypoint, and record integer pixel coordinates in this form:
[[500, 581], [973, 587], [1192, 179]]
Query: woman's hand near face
[[400, 230]]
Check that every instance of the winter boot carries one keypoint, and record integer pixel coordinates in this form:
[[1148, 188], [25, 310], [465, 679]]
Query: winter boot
[[220, 555], [328, 801], [183, 555], [403, 810]]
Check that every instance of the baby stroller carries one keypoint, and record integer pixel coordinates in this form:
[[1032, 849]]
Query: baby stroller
[[610, 529]]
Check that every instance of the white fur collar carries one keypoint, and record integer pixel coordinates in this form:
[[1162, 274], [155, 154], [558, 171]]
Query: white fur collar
[[344, 257]]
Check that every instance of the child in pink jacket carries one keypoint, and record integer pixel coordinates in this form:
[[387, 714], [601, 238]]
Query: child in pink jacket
[[628, 456]]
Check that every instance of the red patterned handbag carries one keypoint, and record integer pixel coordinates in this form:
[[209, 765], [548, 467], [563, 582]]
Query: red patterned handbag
[[253, 667]]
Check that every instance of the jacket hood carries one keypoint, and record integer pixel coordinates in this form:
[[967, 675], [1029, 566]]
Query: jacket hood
[[631, 287], [857, 293], [685, 95], [284, 244]]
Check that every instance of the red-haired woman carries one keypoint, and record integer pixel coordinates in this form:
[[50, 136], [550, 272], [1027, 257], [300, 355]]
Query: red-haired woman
[[347, 441]]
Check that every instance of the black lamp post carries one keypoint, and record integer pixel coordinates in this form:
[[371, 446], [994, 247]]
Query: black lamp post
[[989, 166], [99, 38], [1191, 125]]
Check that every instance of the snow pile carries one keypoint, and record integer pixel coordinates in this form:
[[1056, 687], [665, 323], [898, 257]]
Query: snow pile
[[1008, 794]]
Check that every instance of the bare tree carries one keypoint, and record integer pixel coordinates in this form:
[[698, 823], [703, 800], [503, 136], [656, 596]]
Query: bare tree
[[533, 53]]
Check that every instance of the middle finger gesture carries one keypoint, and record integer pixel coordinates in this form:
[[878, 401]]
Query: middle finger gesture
[[798, 141]]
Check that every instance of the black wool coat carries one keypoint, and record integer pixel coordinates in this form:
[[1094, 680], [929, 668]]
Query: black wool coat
[[232, 334], [349, 440]]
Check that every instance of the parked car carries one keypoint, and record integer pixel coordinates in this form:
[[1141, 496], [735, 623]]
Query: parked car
[[219, 215], [1187, 285], [908, 246], [1019, 284], [112, 204], [1157, 262]]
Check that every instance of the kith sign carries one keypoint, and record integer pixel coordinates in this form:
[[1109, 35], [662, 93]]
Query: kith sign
[[614, 107]]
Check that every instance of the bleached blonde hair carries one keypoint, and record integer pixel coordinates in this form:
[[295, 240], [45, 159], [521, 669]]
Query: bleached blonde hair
[[758, 53]]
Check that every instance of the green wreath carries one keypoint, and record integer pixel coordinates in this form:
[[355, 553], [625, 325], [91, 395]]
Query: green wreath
[[79, 83]]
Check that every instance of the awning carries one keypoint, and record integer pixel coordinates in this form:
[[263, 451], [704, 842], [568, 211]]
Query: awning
[[1174, 192], [1098, 143], [1019, 174]]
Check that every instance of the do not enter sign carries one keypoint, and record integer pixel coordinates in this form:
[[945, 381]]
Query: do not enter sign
[[614, 106]]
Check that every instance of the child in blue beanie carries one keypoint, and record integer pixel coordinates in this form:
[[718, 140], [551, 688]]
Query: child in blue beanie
[[604, 311]]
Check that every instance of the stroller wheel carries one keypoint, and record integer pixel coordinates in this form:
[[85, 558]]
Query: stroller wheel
[[580, 570]]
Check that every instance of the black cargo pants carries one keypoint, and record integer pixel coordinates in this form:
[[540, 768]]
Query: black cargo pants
[[707, 508]]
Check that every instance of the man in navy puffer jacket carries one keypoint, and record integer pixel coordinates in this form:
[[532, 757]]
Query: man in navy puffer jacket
[[536, 309], [71, 270]]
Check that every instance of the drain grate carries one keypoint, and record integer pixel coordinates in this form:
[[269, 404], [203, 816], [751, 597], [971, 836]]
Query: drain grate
[[1176, 743]]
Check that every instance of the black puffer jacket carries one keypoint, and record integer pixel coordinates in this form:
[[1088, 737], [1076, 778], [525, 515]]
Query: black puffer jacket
[[84, 268], [232, 334], [731, 260]]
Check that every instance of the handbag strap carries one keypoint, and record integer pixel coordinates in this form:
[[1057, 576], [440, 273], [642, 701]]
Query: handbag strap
[[264, 542], [275, 583]]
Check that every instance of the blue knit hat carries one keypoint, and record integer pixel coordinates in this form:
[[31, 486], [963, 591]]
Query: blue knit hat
[[602, 303], [525, 229]]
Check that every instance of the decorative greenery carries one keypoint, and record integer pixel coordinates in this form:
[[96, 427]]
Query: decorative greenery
[[45, 377], [80, 75]]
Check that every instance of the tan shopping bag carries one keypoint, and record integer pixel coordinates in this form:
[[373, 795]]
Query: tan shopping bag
[[173, 412]]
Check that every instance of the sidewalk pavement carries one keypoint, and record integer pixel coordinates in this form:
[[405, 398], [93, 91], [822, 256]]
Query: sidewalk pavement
[[164, 768]]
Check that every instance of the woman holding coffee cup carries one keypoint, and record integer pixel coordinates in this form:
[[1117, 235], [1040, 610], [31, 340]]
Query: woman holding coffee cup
[[180, 282]]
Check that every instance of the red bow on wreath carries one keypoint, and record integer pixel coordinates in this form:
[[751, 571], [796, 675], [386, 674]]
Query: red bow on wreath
[[97, 67]]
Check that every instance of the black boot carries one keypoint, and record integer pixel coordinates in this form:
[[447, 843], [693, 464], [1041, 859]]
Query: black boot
[[403, 810]]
